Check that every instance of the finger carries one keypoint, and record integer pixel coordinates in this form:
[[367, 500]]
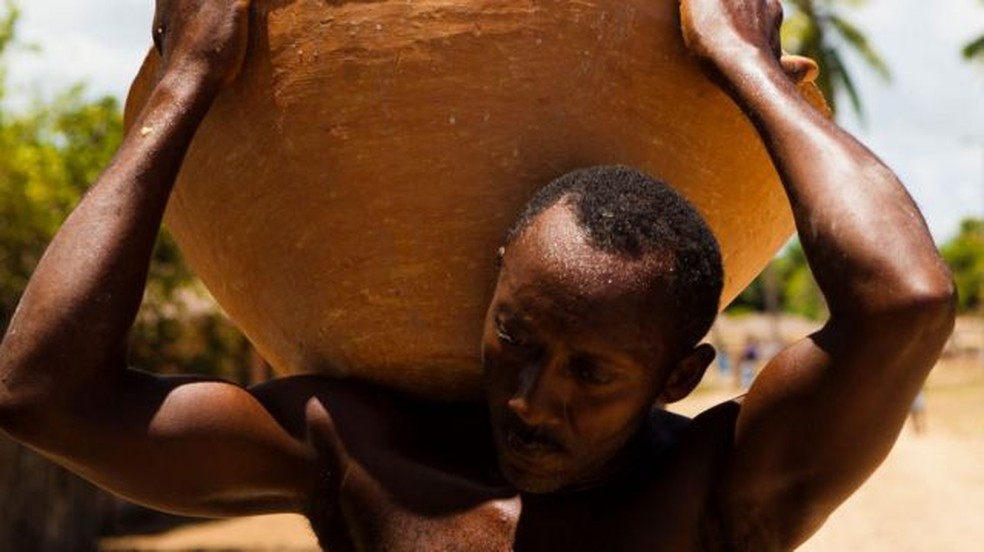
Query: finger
[[158, 27], [799, 69], [776, 13], [246, 10], [321, 431]]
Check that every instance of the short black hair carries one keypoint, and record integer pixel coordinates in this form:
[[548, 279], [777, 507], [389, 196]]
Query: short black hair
[[625, 212]]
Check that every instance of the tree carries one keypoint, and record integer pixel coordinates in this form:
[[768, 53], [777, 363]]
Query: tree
[[52, 151], [43, 507], [796, 289], [817, 29], [965, 256], [974, 50], [50, 155]]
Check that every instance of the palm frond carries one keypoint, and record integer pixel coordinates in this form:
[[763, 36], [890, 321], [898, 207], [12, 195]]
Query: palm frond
[[839, 73], [853, 36], [975, 50]]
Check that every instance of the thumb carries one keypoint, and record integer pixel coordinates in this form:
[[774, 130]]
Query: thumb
[[322, 433], [799, 69]]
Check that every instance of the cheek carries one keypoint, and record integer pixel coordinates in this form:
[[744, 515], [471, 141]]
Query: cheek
[[499, 376], [597, 419]]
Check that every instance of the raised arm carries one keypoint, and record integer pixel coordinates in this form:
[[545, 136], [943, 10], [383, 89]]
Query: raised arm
[[180, 444], [825, 412]]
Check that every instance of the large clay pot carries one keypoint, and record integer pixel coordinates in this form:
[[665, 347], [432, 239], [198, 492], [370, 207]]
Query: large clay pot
[[345, 199]]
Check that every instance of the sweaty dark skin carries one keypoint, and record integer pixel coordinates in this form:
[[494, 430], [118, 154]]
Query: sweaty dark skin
[[572, 450]]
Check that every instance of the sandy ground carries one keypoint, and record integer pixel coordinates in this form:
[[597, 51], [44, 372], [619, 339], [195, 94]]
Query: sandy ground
[[928, 496]]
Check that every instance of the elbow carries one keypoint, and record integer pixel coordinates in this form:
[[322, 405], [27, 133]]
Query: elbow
[[936, 295], [22, 407], [918, 306], [10, 405], [929, 304], [14, 415], [31, 394], [27, 420]]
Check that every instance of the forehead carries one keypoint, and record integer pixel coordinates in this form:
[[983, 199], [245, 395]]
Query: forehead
[[560, 287], [553, 250]]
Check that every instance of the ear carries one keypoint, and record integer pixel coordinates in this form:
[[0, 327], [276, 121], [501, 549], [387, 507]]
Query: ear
[[687, 374]]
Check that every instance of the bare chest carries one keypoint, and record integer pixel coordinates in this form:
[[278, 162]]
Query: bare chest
[[662, 513]]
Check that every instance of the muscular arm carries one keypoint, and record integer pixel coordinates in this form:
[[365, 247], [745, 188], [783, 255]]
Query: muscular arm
[[180, 444], [825, 412]]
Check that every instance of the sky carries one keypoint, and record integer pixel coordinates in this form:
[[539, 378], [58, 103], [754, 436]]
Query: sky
[[927, 123]]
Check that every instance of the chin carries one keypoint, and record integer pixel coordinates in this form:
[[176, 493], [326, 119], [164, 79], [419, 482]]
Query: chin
[[543, 475], [529, 483]]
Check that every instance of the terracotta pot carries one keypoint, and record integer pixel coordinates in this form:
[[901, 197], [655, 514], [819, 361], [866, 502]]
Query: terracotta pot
[[345, 199]]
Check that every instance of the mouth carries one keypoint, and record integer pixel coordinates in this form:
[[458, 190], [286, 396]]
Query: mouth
[[531, 459], [531, 449], [529, 444]]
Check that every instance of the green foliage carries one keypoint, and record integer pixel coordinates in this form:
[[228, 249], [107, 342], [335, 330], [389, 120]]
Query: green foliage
[[965, 256], [795, 290], [8, 26], [52, 152], [817, 29], [974, 50]]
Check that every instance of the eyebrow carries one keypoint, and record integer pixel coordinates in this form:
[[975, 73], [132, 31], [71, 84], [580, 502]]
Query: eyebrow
[[504, 310], [611, 362], [507, 316]]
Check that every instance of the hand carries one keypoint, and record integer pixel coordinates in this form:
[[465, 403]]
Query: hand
[[206, 37], [715, 29], [343, 474], [324, 439], [721, 32]]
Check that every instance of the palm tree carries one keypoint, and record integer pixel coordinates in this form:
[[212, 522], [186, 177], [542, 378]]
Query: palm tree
[[817, 29], [975, 48]]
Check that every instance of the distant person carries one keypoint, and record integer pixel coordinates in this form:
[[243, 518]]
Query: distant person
[[917, 412], [608, 282], [723, 360], [748, 365]]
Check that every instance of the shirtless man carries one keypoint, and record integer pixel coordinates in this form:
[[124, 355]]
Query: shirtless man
[[587, 335]]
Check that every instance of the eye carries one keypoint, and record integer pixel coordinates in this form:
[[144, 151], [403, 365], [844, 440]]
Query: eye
[[514, 341], [508, 338], [590, 373]]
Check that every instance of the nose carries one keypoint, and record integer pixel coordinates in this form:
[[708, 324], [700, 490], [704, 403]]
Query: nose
[[541, 398]]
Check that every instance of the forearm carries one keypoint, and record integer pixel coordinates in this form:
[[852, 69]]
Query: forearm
[[847, 387], [867, 243], [72, 323]]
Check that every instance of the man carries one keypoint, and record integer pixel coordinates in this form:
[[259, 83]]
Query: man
[[596, 318]]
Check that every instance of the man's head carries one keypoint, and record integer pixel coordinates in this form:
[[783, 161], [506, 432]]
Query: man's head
[[608, 281]]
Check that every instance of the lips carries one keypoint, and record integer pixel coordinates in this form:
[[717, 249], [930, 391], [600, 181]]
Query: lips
[[532, 459], [528, 444]]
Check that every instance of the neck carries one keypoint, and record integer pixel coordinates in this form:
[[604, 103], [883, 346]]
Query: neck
[[622, 469]]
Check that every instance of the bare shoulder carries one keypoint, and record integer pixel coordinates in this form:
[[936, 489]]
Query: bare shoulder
[[704, 463], [702, 436], [350, 403], [375, 421]]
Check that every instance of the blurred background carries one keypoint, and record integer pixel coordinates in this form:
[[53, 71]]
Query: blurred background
[[906, 76]]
